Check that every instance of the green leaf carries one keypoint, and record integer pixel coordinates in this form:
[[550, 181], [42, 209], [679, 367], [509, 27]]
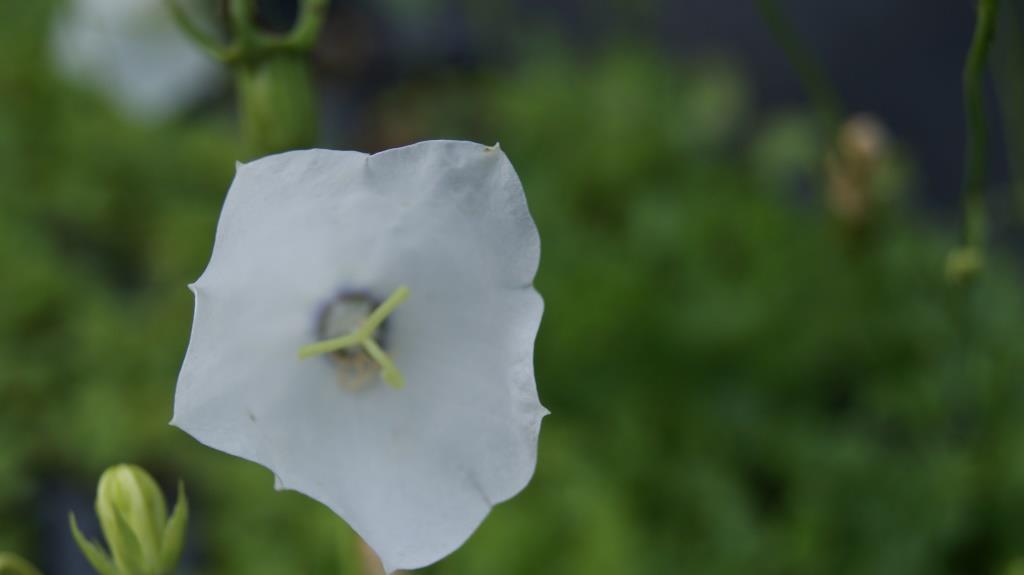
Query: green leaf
[[174, 533], [92, 551]]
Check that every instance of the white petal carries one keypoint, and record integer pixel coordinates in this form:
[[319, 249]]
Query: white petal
[[458, 199], [414, 471]]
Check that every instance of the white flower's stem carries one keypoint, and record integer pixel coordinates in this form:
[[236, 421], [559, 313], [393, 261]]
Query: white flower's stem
[[363, 336]]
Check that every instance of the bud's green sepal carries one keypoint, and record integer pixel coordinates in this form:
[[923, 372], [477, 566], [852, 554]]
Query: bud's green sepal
[[174, 533], [133, 517]]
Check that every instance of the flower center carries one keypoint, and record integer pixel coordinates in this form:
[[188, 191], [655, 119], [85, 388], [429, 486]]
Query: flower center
[[353, 330], [344, 316]]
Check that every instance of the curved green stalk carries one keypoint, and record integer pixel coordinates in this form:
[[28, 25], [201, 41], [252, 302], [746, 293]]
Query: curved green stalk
[[207, 43], [967, 260], [976, 163], [242, 25], [307, 27], [248, 43], [276, 100]]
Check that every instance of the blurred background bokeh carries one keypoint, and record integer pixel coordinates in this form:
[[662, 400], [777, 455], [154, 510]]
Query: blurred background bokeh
[[754, 361]]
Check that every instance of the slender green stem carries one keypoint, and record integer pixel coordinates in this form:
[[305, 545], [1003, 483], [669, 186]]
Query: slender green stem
[[249, 44], [206, 42], [277, 103], [11, 564], [240, 16], [815, 80], [307, 27], [976, 163]]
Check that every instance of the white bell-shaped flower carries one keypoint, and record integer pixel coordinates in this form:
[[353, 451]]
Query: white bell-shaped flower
[[365, 330]]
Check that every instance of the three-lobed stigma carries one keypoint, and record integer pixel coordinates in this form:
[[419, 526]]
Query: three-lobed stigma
[[363, 336]]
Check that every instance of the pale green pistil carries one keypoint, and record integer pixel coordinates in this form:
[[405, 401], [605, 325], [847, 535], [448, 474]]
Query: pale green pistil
[[363, 336]]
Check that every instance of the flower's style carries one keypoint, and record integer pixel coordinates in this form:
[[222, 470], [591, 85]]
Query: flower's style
[[365, 330]]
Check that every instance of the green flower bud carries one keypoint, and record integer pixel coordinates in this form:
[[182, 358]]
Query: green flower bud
[[133, 517]]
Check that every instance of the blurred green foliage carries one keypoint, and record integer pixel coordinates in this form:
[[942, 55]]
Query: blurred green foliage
[[737, 384]]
